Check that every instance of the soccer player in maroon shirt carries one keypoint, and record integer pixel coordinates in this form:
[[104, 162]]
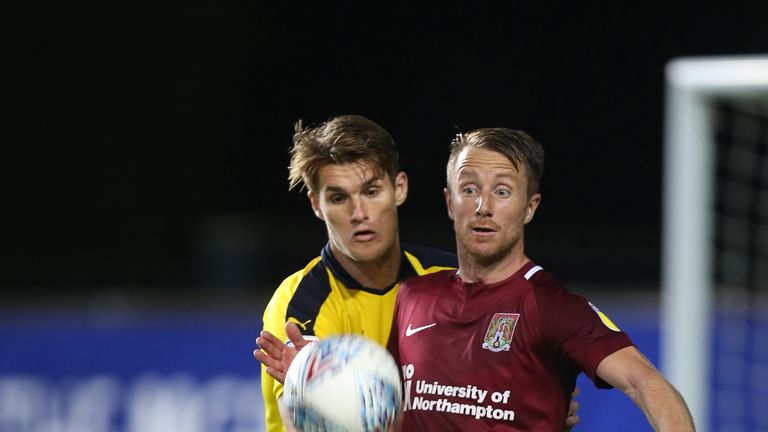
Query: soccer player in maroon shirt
[[340, 180], [498, 343]]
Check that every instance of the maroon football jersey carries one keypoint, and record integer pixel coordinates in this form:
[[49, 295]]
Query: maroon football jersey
[[504, 356]]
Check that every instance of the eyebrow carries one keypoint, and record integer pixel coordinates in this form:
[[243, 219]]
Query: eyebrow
[[334, 189], [368, 183], [470, 172]]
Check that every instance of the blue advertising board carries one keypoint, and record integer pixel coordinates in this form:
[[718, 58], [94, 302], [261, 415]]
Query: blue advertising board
[[192, 372]]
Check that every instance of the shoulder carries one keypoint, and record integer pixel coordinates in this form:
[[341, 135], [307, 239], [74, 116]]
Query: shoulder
[[551, 296], [300, 295], [427, 260], [544, 284], [311, 277]]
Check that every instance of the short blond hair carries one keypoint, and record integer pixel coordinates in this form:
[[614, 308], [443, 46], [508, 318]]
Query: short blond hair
[[516, 145]]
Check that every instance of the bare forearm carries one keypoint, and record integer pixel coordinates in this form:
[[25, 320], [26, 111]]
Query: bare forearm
[[663, 406], [628, 370]]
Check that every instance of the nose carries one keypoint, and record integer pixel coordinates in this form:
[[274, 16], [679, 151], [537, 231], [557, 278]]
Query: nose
[[359, 211], [483, 205]]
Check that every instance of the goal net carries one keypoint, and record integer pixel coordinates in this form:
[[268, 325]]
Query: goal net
[[715, 240]]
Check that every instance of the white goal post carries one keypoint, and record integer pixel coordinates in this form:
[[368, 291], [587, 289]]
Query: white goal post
[[693, 85]]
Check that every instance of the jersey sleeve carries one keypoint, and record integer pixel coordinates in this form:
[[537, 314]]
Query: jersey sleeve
[[274, 322], [301, 298], [578, 330]]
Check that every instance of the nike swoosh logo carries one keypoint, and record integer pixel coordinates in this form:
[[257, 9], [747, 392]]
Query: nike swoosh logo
[[411, 331]]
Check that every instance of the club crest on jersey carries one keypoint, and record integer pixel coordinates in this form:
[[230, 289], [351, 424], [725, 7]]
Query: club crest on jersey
[[498, 337]]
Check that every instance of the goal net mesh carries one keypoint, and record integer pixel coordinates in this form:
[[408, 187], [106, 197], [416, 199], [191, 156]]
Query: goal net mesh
[[739, 393]]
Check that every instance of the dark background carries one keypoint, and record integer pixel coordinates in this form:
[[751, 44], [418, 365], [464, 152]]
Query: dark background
[[145, 146]]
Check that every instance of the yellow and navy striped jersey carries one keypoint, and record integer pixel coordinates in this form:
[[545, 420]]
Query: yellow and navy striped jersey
[[323, 299]]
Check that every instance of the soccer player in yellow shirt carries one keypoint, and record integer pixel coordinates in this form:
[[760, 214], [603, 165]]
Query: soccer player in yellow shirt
[[350, 168]]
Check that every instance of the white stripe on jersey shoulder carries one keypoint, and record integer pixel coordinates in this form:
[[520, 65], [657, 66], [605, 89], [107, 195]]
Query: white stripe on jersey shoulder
[[532, 272]]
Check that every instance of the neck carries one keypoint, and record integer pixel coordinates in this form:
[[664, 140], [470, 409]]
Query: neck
[[489, 270], [379, 274]]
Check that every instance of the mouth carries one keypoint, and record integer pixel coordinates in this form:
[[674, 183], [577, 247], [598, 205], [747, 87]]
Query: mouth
[[364, 235], [483, 230]]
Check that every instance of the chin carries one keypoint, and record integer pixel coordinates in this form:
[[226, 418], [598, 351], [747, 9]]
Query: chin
[[485, 252], [368, 252], [485, 256]]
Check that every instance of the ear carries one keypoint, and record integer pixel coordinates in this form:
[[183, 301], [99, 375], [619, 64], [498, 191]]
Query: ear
[[401, 187], [533, 204], [314, 200], [448, 202]]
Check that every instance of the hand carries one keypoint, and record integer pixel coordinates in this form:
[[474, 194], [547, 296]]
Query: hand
[[276, 355], [572, 419]]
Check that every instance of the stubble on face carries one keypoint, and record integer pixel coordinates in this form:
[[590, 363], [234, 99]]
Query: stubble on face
[[489, 205]]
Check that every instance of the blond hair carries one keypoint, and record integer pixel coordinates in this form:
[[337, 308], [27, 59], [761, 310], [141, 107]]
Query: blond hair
[[516, 145]]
